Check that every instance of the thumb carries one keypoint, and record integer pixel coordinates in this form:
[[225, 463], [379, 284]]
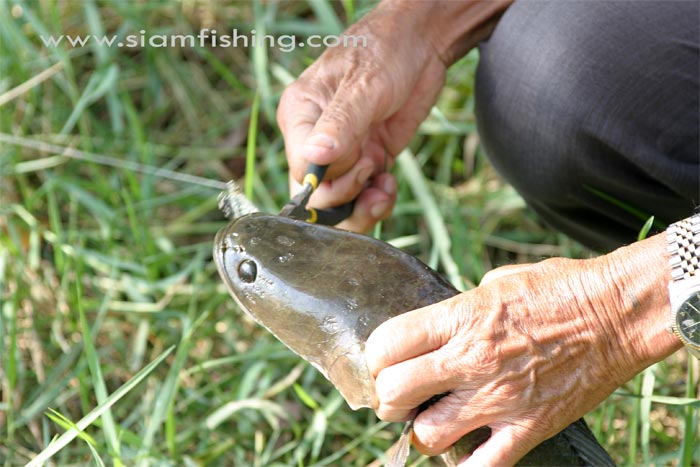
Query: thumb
[[503, 271], [341, 129], [506, 446], [411, 334]]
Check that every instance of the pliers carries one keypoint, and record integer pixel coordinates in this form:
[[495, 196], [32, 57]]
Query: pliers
[[297, 207]]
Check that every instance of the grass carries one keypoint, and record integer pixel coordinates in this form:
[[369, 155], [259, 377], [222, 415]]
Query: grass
[[119, 344]]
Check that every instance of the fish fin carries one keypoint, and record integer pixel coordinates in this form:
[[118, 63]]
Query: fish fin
[[586, 445], [397, 454]]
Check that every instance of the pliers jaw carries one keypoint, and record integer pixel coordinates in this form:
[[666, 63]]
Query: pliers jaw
[[234, 204], [297, 207]]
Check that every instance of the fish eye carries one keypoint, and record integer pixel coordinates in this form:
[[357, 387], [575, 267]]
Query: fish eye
[[247, 271]]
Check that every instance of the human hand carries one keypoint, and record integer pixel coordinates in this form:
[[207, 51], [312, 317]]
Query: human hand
[[356, 108], [528, 352]]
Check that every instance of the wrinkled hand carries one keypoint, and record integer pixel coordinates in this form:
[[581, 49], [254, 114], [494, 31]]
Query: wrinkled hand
[[357, 107], [528, 352]]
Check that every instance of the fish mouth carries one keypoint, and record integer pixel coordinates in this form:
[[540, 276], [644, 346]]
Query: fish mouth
[[233, 202], [221, 246], [226, 248]]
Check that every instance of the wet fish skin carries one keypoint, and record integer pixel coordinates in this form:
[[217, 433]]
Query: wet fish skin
[[322, 291]]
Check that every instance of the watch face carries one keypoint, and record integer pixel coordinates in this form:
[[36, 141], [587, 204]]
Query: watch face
[[688, 319]]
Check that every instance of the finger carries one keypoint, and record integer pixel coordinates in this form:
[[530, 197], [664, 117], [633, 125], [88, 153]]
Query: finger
[[404, 386], [506, 446], [341, 128], [297, 113], [372, 205], [393, 414], [412, 334], [385, 182], [447, 421], [344, 188], [503, 271], [402, 125], [376, 149], [294, 186]]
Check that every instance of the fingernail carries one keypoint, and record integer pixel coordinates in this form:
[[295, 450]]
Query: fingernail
[[321, 140], [379, 210], [364, 174], [389, 186]]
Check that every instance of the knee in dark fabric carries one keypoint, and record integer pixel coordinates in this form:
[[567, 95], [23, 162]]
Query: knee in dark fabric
[[604, 95]]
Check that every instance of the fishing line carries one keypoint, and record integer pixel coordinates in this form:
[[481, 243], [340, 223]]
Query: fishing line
[[112, 162]]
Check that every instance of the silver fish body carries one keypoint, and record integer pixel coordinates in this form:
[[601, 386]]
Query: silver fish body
[[322, 291], [321, 294]]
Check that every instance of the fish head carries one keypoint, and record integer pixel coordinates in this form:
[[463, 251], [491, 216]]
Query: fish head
[[322, 291], [285, 274]]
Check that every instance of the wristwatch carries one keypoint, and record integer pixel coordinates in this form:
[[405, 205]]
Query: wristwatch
[[683, 239]]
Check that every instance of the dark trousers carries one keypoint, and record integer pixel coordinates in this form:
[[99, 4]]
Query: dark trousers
[[590, 110]]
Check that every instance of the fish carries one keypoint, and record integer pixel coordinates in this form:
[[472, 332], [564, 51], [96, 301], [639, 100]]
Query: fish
[[322, 291]]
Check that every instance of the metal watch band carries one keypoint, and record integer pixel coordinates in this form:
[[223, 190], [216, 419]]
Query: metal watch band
[[683, 239]]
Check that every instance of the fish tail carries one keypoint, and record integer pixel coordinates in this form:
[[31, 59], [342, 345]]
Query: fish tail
[[397, 454]]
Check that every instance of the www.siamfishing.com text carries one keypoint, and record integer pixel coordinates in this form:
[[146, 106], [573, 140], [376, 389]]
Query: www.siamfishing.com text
[[206, 38]]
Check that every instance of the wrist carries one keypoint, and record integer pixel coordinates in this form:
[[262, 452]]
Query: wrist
[[452, 27], [637, 277]]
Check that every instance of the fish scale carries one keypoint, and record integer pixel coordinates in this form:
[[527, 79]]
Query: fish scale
[[297, 298]]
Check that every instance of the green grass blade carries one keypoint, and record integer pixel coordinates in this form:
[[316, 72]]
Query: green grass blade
[[8, 358], [95, 413], [408, 165], [326, 16], [66, 424], [668, 400], [250, 148], [648, 379], [334, 458], [689, 444], [226, 411], [261, 65], [98, 382], [634, 421], [222, 70], [170, 386], [96, 456], [640, 214], [646, 228], [103, 55], [349, 7], [305, 397], [100, 83]]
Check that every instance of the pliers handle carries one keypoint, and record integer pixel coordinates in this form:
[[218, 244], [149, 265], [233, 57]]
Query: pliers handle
[[297, 206]]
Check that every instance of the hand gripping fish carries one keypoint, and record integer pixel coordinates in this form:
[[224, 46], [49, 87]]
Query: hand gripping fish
[[322, 291]]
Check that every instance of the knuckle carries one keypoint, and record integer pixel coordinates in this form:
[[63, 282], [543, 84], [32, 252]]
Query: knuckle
[[354, 225], [360, 220], [551, 264], [508, 391], [297, 168], [482, 358], [389, 393], [391, 414], [428, 441], [339, 116], [289, 94], [444, 363]]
